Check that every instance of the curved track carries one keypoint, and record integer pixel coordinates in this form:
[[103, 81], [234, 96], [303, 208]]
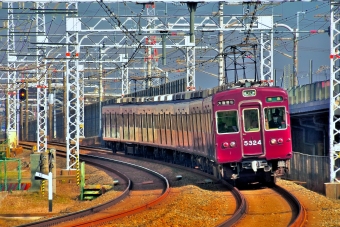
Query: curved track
[[249, 203], [239, 199], [102, 213], [274, 206]]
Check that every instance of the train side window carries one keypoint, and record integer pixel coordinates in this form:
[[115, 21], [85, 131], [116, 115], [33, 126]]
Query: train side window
[[114, 125], [275, 118], [251, 120], [203, 117], [150, 121], [167, 121], [120, 127], [126, 126], [186, 129], [131, 126], [143, 121], [107, 123], [184, 121], [137, 119], [189, 122], [179, 120], [202, 126], [104, 124], [209, 122], [194, 128], [155, 119], [161, 121], [227, 121]]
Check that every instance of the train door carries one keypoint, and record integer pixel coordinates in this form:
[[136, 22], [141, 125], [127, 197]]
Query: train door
[[251, 130]]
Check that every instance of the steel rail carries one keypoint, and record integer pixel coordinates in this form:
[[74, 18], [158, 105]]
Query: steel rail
[[98, 208], [241, 203], [299, 212]]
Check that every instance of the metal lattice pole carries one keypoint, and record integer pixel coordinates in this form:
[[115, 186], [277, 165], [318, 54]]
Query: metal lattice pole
[[11, 80], [334, 101], [190, 54], [81, 101], [125, 79], [266, 60], [72, 89], [220, 47], [41, 80]]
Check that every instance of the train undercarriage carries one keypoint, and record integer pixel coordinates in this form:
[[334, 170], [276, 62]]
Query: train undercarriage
[[238, 173], [256, 170]]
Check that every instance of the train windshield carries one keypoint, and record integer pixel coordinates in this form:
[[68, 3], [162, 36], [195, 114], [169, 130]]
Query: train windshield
[[251, 120], [275, 118], [227, 121]]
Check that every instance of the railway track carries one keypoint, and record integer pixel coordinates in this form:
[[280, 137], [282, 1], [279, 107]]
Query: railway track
[[131, 178], [274, 206], [246, 204], [274, 202], [235, 196]]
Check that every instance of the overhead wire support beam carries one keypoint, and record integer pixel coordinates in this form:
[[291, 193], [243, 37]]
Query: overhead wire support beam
[[230, 2]]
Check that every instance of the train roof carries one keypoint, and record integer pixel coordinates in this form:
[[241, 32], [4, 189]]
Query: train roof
[[188, 95]]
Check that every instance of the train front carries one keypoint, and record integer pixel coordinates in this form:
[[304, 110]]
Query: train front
[[253, 135]]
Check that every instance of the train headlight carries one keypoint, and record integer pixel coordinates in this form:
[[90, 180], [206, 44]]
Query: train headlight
[[273, 141], [280, 140], [225, 144], [232, 144]]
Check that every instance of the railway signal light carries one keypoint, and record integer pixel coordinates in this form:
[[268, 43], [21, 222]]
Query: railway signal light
[[22, 94]]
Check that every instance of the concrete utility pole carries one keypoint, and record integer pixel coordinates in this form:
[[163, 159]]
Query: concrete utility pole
[[295, 33], [295, 54]]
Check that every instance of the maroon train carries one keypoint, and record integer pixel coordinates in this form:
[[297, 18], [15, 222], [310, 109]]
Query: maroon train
[[242, 133]]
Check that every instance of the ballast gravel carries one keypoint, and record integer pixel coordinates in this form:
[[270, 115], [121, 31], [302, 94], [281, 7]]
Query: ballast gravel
[[189, 203]]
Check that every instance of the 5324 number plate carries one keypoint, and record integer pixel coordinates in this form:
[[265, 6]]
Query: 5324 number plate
[[251, 142]]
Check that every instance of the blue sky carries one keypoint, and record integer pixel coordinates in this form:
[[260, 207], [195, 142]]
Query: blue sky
[[315, 47], [310, 47]]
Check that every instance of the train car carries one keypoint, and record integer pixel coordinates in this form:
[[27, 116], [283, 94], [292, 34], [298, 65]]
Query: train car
[[241, 133]]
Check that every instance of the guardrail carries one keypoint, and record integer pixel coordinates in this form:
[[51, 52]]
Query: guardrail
[[310, 92]]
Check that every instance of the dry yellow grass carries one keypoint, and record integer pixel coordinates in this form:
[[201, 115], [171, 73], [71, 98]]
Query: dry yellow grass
[[66, 199]]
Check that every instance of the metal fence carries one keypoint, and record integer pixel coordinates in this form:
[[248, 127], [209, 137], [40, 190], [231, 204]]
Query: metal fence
[[10, 174], [312, 170]]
